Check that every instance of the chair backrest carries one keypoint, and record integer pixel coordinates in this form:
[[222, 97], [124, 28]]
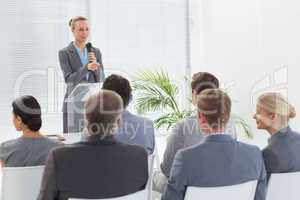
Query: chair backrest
[[244, 191], [21, 182], [140, 195], [284, 186], [71, 138]]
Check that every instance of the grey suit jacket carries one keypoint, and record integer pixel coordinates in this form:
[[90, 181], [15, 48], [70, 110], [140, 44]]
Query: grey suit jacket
[[136, 130], [184, 134], [73, 70], [96, 168], [218, 161], [282, 153]]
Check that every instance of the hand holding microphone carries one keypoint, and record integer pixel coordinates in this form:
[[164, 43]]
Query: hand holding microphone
[[93, 64]]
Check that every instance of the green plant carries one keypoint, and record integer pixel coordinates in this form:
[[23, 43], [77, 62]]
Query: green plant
[[156, 92], [242, 126]]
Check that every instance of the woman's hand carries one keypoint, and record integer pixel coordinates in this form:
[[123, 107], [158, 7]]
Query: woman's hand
[[93, 66]]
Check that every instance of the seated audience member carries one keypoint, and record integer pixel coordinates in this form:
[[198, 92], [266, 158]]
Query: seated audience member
[[219, 160], [134, 129], [32, 148], [185, 133], [282, 153], [99, 167]]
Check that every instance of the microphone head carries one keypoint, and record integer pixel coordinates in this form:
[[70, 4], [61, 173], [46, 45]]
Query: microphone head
[[89, 46]]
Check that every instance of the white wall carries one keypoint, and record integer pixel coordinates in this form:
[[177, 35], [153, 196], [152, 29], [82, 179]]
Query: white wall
[[135, 35], [251, 45]]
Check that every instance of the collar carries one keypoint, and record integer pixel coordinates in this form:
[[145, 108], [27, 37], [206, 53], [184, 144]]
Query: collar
[[76, 47], [219, 138], [281, 133], [97, 139]]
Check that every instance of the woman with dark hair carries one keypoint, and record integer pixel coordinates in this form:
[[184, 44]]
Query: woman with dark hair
[[32, 148]]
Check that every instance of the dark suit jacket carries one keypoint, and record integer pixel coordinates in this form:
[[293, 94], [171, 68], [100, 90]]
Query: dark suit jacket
[[73, 70], [282, 154], [217, 161], [94, 169]]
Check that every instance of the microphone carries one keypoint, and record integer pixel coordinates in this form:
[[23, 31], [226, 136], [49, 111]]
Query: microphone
[[89, 49]]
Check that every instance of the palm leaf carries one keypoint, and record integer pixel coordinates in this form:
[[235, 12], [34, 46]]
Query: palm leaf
[[156, 92]]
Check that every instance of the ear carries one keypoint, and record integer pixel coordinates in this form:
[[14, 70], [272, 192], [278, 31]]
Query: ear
[[272, 116], [119, 121], [202, 118], [194, 97], [18, 120]]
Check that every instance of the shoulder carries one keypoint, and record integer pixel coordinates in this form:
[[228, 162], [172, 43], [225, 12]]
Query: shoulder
[[132, 149], [186, 127], [51, 142], [249, 148], [67, 48], [11, 144], [187, 122], [136, 118], [97, 51]]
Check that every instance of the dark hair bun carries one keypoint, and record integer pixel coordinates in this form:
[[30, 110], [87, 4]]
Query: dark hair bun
[[34, 124], [29, 110]]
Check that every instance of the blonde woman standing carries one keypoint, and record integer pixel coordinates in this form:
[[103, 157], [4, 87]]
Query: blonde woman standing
[[273, 113], [79, 62]]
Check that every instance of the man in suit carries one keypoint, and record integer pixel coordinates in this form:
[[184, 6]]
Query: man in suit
[[99, 167], [134, 129], [185, 133], [77, 64], [219, 160]]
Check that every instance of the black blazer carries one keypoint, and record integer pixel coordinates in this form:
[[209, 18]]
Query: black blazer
[[94, 169]]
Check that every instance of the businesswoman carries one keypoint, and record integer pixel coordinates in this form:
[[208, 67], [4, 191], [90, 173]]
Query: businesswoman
[[79, 63], [32, 148], [273, 113]]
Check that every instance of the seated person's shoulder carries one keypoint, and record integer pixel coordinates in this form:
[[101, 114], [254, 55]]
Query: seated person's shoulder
[[249, 149], [132, 149], [52, 141], [10, 143], [140, 118], [188, 122], [9, 147]]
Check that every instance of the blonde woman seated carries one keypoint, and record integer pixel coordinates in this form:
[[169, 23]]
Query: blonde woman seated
[[273, 113], [32, 148]]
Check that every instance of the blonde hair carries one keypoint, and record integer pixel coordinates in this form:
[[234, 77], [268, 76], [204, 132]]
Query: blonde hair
[[76, 19], [273, 102]]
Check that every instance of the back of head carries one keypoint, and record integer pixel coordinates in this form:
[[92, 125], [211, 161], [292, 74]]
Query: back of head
[[215, 106], [276, 103], [102, 112], [29, 110], [202, 81], [119, 85]]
